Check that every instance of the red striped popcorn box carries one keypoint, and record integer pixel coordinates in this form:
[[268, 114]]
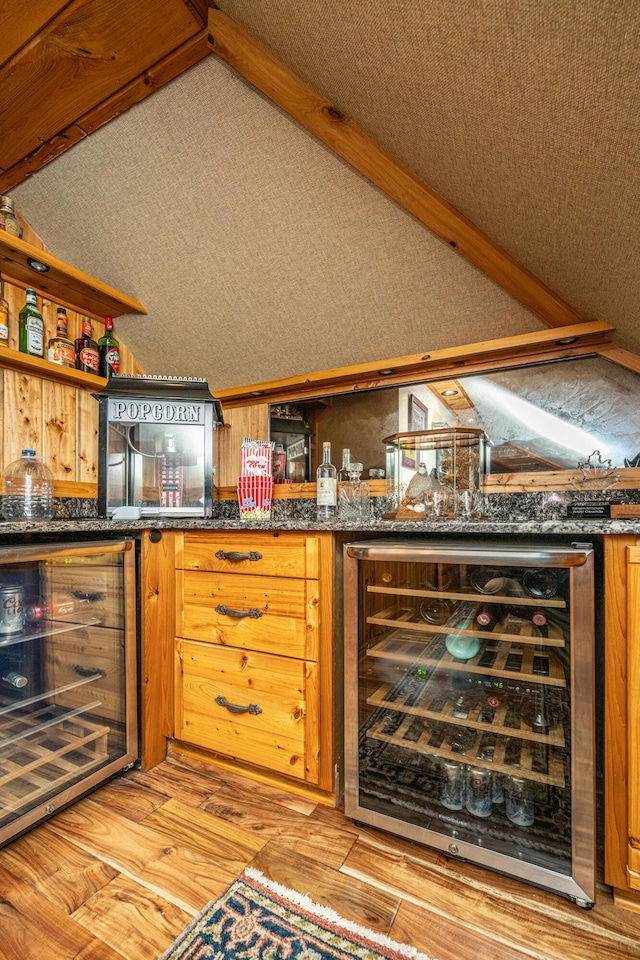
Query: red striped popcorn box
[[255, 495], [256, 458]]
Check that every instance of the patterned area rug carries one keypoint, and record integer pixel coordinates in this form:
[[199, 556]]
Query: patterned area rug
[[257, 919]]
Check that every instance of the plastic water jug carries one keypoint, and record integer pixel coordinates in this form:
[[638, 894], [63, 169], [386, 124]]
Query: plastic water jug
[[27, 489]]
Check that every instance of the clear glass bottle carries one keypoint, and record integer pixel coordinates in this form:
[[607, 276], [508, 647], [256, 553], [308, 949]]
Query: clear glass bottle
[[28, 489], [60, 349], [8, 219], [343, 472], [109, 351], [86, 349], [4, 319], [31, 327], [326, 486], [354, 502]]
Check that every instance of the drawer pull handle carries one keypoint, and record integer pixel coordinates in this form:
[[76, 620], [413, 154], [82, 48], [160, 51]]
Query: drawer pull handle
[[253, 612], [88, 671], [235, 557], [236, 708]]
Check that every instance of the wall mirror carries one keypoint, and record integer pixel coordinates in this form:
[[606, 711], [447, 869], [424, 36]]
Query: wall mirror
[[544, 417]]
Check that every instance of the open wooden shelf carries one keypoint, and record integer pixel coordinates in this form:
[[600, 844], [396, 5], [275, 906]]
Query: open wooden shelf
[[63, 283], [39, 367]]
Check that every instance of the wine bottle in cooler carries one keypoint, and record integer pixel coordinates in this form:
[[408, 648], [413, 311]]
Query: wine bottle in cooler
[[489, 615]]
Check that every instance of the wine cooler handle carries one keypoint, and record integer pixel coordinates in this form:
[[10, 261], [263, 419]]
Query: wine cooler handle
[[252, 708], [235, 557], [253, 612]]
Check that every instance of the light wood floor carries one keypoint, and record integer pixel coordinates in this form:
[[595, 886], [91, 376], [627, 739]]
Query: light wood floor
[[122, 872]]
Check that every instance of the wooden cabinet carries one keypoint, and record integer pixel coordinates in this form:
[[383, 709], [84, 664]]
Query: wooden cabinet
[[44, 405], [255, 650], [622, 718]]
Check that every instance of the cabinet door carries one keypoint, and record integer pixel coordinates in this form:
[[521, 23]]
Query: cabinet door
[[251, 706], [633, 718], [273, 614]]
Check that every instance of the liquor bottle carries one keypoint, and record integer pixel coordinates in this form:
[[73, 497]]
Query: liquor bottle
[[60, 349], [86, 349], [343, 472], [4, 319], [8, 220], [109, 351], [31, 327], [326, 486]]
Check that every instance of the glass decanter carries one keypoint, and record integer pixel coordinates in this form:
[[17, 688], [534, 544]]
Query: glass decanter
[[354, 502]]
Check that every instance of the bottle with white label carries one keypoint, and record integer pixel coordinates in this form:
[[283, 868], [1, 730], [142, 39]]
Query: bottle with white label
[[31, 327], [326, 486]]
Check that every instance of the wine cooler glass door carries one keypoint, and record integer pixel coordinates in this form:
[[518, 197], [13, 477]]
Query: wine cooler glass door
[[68, 708], [469, 706]]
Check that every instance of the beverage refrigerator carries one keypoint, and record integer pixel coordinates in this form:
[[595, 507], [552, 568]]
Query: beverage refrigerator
[[469, 703], [68, 677]]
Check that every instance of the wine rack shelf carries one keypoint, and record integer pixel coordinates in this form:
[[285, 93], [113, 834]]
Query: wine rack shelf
[[496, 657], [558, 602], [430, 705], [510, 756], [43, 751], [549, 636]]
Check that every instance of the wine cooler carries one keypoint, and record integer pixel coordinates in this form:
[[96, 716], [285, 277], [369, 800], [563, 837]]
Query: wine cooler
[[68, 702], [469, 703]]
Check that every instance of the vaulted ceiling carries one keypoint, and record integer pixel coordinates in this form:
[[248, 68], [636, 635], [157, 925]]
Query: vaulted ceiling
[[258, 251]]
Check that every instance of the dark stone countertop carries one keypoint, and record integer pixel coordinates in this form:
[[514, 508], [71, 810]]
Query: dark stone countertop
[[70, 527]]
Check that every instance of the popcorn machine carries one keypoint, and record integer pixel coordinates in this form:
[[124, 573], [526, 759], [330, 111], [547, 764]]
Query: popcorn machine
[[156, 447]]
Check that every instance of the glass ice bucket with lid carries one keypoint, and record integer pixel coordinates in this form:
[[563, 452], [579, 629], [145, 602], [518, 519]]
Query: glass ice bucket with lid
[[435, 474]]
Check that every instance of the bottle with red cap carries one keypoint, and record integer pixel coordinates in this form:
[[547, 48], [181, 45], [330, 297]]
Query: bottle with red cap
[[109, 351]]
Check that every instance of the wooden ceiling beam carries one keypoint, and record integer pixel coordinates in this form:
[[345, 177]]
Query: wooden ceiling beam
[[98, 59], [542, 346], [255, 63]]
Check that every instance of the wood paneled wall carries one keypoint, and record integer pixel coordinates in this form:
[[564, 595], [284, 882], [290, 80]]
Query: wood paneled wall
[[58, 420]]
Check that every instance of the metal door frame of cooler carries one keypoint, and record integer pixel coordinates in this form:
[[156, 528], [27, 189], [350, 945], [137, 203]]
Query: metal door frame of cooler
[[579, 886], [46, 551]]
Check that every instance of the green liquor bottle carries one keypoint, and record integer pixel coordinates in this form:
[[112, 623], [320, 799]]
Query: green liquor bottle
[[109, 350], [31, 327]]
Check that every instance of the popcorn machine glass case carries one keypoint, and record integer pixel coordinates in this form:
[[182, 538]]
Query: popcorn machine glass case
[[156, 447], [469, 703]]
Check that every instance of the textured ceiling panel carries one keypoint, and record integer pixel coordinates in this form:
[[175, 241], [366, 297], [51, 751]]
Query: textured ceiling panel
[[524, 115], [257, 253]]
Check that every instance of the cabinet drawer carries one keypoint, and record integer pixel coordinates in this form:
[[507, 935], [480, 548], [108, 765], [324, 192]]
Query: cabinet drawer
[[79, 594], [84, 667], [291, 555], [282, 693], [283, 612]]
